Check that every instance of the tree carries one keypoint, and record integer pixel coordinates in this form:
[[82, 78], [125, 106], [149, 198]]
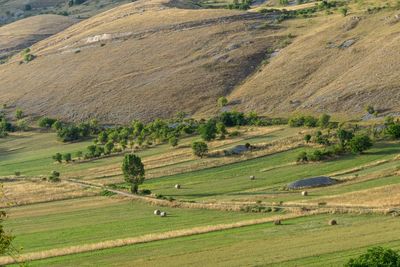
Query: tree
[[360, 143], [19, 114], [173, 141], [323, 121], [370, 109], [307, 138], [208, 130], [5, 238], [54, 176], [376, 256], [133, 170], [57, 125], [393, 130], [344, 137], [108, 147], [67, 157], [222, 101], [46, 122], [22, 125], [200, 149], [57, 157]]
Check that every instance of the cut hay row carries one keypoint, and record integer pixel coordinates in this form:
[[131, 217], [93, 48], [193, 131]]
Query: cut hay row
[[363, 167], [142, 239]]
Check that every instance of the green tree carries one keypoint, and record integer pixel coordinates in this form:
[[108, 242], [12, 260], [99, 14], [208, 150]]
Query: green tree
[[5, 238], [133, 170], [54, 176], [108, 147], [360, 143], [200, 149], [57, 157], [393, 130], [307, 138], [208, 130], [173, 141], [344, 137], [375, 257], [67, 157], [323, 121], [46, 122], [222, 101], [19, 114]]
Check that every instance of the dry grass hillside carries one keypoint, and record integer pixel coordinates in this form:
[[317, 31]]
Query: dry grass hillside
[[150, 59], [21, 34], [336, 64], [140, 60]]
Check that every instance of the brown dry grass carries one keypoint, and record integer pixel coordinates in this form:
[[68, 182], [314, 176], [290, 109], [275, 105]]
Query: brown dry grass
[[157, 60], [143, 239], [21, 34], [27, 191], [383, 197], [308, 75]]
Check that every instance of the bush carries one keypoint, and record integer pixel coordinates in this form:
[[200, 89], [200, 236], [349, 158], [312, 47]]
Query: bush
[[67, 157], [393, 130], [208, 130], [323, 121], [360, 143], [200, 149], [377, 256], [222, 101], [46, 122], [57, 157], [54, 176], [173, 141], [302, 157], [19, 114]]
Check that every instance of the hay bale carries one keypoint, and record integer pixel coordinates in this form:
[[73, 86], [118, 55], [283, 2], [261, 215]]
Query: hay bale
[[277, 222], [163, 214], [304, 193], [178, 186], [252, 177], [332, 222], [157, 212]]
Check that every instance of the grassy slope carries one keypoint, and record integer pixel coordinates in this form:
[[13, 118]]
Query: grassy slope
[[155, 57], [314, 74], [89, 220], [233, 179], [305, 241], [19, 35]]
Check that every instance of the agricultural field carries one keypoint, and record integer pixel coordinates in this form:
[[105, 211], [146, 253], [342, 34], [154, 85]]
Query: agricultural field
[[224, 202], [276, 143]]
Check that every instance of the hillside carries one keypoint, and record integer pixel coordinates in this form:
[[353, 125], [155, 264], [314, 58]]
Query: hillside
[[339, 65], [141, 60], [151, 59], [21, 34]]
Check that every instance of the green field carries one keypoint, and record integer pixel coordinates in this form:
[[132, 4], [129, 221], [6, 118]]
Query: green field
[[308, 241], [75, 222]]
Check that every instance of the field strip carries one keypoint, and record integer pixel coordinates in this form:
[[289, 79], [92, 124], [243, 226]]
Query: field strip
[[143, 239]]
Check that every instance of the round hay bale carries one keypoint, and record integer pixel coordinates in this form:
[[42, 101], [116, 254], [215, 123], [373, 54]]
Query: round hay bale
[[277, 222], [178, 186], [252, 177], [163, 214], [304, 193], [157, 212], [332, 222]]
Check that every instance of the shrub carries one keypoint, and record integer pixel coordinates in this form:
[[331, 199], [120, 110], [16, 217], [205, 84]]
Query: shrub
[[393, 130], [67, 157], [17, 173], [323, 121], [376, 256], [370, 109], [302, 157], [173, 141], [307, 138], [208, 130], [78, 154], [360, 143], [54, 176], [57, 157], [343, 11], [222, 101], [19, 114], [22, 125], [46, 122], [200, 149]]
